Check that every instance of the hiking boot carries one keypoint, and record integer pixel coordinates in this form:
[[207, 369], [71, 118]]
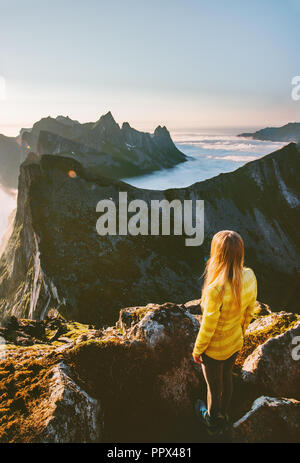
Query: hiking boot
[[212, 425]]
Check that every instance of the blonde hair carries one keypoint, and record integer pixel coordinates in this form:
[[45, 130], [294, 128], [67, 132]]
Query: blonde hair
[[225, 265]]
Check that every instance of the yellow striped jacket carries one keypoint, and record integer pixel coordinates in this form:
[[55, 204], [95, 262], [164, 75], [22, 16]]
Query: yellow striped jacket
[[223, 326]]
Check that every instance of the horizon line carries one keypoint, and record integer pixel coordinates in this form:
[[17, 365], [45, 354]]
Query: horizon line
[[142, 125]]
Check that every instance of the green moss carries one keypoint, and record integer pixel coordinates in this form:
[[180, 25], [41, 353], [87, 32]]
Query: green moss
[[94, 344], [255, 338], [75, 329], [72, 330], [24, 385]]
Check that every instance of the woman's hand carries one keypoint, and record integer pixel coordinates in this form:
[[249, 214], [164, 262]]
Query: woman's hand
[[197, 359]]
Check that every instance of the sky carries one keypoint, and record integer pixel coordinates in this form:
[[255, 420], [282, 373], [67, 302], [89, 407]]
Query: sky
[[180, 63]]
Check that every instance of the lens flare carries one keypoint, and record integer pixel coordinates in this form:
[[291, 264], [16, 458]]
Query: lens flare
[[72, 174]]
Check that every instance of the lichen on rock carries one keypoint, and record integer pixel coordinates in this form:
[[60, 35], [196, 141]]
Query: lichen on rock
[[270, 419], [271, 367], [136, 381], [73, 415], [263, 328], [143, 374]]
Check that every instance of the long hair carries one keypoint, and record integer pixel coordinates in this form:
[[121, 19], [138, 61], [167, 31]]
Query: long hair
[[225, 265]]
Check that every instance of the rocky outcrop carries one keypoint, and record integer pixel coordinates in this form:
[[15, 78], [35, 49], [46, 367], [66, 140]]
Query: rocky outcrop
[[135, 381], [41, 402], [72, 415], [272, 368], [131, 382], [270, 419], [287, 133], [54, 239], [263, 328]]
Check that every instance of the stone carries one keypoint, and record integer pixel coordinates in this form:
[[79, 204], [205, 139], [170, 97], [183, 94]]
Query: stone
[[72, 415], [270, 419], [264, 328], [271, 368]]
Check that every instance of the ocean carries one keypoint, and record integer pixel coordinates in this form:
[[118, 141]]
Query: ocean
[[212, 152]]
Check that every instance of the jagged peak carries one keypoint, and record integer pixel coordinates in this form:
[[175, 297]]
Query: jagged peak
[[107, 120], [126, 125], [161, 130]]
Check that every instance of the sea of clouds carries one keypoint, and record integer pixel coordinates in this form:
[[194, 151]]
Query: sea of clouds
[[211, 154]]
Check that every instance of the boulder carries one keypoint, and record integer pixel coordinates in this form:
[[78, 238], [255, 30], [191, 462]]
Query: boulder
[[72, 415], [264, 328], [143, 372], [41, 401], [270, 419], [272, 368], [139, 374], [156, 324], [272, 324], [136, 381], [171, 328]]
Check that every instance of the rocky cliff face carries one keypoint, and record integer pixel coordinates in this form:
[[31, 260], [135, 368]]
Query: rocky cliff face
[[287, 133], [55, 259], [62, 381]]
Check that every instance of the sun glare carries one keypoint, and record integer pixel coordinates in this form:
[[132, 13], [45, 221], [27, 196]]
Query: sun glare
[[72, 174]]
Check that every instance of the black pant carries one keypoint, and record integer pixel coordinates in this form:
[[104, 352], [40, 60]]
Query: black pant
[[218, 377]]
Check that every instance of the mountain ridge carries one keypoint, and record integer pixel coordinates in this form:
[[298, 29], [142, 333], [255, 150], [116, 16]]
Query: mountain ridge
[[287, 133], [54, 258], [128, 152]]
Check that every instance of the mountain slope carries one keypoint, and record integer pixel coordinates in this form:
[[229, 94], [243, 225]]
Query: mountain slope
[[287, 133], [55, 258]]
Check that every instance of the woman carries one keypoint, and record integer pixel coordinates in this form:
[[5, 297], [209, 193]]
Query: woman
[[228, 299]]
